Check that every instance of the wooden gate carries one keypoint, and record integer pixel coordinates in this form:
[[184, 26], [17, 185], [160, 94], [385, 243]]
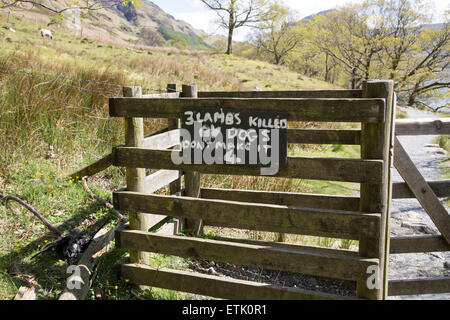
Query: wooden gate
[[361, 218], [428, 194]]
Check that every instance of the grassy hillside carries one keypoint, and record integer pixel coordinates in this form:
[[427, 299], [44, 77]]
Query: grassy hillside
[[117, 24], [70, 56], [54, 119]]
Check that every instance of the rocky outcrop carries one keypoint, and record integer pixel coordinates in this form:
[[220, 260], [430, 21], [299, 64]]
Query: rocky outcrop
[[129, 12]]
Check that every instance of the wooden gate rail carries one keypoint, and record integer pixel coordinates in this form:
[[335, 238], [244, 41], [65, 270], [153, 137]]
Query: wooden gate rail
[[305, 200], [316, 264], [427, 193], [440, 188], [419, 286], [161, 140], [226, 288], [420, 127], [419, 244], [293, 213], [290, 246], [160, 179], [315, 222], [330, 169], [318, 110]]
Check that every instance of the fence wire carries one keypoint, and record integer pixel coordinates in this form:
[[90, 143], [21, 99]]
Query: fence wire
[[67, 84]]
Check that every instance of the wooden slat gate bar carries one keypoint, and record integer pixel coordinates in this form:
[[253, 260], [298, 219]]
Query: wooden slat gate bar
[[428, 194], [363, 218]]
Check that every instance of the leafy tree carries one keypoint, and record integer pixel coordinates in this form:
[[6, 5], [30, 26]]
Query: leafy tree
[[347, 37], [415, 56], [402, 21], [279, 34], [234, 14], [426, 69], [385, 39]]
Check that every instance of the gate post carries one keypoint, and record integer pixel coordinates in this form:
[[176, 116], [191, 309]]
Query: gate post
[[134, 137], [376, 143], [172, 124], [192, 179]]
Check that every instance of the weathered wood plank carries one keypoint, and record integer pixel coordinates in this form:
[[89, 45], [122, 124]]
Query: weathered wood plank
[[192, 179], [225, 288], [174, 124], [440, 188], [98, 166], [88, 265], [375, 144], [290, 246], [135, 177], [331, 169], [419, 244], [421, 127], [323, 265], [163, 141], [284, 199], [171, 95], [282, 94], [419, 286], [420, 188], [346, 137], [27, 294], [155, 182], [160, 179], [324, 110], [332, 223]]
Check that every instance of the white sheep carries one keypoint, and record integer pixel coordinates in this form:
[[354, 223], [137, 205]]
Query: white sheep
[[9, 29], [47, 33]]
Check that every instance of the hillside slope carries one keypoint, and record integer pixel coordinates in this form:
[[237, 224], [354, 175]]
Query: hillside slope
[[154, 67], [118, 24]]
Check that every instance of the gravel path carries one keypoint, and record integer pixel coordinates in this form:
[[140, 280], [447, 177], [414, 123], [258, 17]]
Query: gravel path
[[408, 217]]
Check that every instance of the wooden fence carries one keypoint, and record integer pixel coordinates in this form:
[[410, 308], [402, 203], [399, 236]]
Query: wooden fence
[[428, 194], [361, 218]]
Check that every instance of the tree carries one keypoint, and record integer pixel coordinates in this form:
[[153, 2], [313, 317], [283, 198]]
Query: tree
[[279, 34], [387, 39], [402, 21], [234, 14], [415, 56], [349, 38], [426, 71]]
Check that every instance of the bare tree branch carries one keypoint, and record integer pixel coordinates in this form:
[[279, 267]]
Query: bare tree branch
[[235, 14]]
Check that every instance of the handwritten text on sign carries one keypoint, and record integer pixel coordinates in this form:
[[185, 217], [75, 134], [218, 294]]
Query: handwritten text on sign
[[238, 137]]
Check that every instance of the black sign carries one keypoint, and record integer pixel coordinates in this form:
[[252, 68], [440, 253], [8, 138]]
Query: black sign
[[239, 137]]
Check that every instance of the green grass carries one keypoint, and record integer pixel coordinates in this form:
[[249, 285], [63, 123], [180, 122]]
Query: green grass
[[443, 142]]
